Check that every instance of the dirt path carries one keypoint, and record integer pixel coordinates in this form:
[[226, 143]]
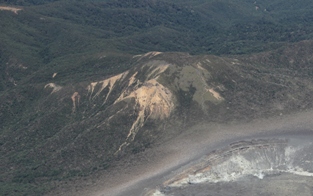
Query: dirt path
[[12, 9]]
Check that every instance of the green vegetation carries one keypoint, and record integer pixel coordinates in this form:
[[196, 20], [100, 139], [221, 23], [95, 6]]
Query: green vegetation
[[65, 33], [88, 40]]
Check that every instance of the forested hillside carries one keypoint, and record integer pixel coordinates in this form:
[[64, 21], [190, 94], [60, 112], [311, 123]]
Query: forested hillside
[[78, 80]]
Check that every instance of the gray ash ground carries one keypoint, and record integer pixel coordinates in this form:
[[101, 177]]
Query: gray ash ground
[[250, 167], [284, 184]]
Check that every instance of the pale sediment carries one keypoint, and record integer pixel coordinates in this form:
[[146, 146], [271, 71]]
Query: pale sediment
[[240, 161]]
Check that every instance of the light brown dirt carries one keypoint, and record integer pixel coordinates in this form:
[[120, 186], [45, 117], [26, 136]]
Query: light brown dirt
[[12, 9]]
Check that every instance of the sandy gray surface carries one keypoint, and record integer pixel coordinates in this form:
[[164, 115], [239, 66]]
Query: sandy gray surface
[[249, 167], [280, 185], [293, 130], [151, 168]]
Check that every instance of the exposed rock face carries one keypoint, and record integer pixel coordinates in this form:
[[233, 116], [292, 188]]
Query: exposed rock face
[[104, 84], [151, 99], [75, 98], [55, 88], [12, 9]]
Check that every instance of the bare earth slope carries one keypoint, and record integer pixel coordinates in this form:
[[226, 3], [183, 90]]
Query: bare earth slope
[[12, 9]]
